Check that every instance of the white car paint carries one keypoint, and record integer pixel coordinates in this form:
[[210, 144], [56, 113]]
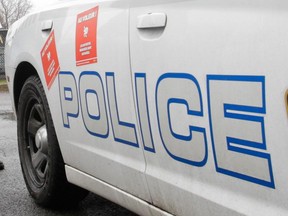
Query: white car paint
[[185, 109]]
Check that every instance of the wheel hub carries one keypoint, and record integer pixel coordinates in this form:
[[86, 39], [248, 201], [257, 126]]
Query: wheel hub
[[41, 138]]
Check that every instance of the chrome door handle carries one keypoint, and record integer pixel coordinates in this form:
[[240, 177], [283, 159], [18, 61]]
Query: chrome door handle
[[151, 20]]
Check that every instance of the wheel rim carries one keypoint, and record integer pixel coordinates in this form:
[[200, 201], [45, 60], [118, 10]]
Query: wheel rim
[[36, 154]]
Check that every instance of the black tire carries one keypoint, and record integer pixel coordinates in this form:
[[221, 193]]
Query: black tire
[[41, 160]]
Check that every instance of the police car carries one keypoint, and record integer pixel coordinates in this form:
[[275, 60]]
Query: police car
[[164, 106]]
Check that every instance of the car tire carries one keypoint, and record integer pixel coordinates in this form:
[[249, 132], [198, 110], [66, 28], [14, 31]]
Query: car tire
[[41, 160]]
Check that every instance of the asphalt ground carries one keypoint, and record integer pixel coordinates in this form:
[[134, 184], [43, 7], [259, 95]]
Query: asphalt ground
[[14, 197]]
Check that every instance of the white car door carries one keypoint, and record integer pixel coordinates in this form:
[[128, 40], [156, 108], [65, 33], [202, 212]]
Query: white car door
[[92, 100], [208, 90]]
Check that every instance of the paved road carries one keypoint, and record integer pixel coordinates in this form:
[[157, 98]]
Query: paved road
[[14, 198]]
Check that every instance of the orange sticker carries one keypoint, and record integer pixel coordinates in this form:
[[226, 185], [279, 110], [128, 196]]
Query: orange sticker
[[86, 37], [50, 60]]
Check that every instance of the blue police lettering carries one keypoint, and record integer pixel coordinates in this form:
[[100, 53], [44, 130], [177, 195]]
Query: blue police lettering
[[93, 105], [173, 88], [229, 116], [123, 132]]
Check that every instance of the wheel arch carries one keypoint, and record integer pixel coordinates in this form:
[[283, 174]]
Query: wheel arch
[[22, 73]]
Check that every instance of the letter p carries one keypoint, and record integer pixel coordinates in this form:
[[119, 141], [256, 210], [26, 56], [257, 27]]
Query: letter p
[[68, 96]]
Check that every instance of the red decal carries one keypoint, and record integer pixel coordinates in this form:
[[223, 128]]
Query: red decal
[[50, 60], [86, 37]]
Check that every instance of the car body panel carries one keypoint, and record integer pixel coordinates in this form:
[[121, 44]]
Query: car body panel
[[216, 41], [113, 162], [185, 108]]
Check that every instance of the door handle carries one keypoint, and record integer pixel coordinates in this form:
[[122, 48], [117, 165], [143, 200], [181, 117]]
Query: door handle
[[47, 25], [151, 20]]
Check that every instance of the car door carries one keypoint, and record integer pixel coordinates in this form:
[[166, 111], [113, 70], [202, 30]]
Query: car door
[[92, 101], [203, 76]]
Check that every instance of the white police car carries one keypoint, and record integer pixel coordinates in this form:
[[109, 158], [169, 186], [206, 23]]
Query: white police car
[[164, 106]]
